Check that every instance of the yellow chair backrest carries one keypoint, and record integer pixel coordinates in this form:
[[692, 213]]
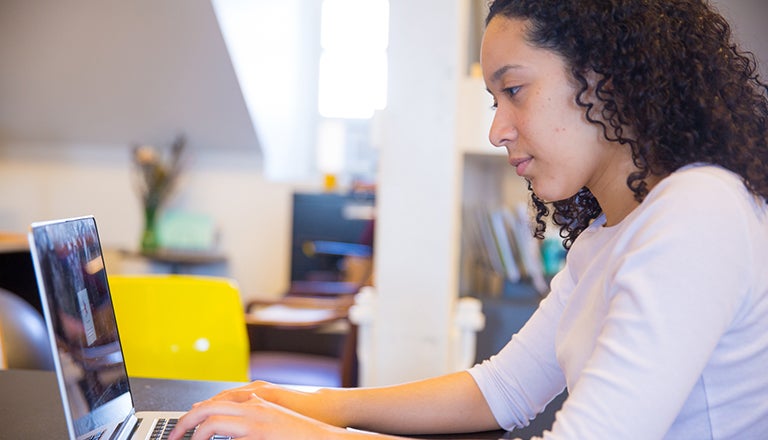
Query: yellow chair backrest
[[181, 327]]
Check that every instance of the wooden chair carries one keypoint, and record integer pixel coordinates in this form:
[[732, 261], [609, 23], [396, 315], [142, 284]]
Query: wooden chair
[[303, 340], [306, 337]]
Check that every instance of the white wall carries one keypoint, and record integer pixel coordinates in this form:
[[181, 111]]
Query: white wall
[[114, 73], [274, 50], [40, 182]]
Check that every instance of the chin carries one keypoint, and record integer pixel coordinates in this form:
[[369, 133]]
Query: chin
[[551, 193], [543, 195], [551, 198]]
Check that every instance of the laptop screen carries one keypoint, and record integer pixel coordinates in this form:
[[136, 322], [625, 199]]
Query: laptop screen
[[76, 300]]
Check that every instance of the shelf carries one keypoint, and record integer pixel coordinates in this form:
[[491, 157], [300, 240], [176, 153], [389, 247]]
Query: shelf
[[474, 116], [13, 242]]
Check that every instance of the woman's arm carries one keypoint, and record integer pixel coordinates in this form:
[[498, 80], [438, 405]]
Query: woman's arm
[[450, 403]]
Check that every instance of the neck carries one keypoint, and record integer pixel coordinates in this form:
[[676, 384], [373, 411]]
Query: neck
[[618, 201]]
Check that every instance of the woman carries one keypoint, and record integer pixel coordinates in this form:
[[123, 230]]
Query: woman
[[642, 133]]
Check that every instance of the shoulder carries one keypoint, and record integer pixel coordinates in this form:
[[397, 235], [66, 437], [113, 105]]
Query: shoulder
[[699, 178], [700, 189], [701, 207]]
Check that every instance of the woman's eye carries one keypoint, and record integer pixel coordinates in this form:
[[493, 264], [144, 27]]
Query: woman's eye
[[512, 91], [509, 92]]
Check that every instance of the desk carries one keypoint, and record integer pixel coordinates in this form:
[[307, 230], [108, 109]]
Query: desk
[[298, 312], [182, 261], [168, 261], [30, 406]]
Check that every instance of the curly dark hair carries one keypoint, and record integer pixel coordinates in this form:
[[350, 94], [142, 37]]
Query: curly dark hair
[[672, 85]]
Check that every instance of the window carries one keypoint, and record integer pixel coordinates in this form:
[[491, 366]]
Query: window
[[353, 58], [312, 74], [352, 84]]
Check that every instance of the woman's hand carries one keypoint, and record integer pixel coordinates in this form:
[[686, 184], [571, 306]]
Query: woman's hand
[[250, 417], [265, 390], [260, 410], [316, 404]]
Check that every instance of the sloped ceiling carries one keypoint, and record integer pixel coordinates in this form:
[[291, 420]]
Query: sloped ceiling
[[118, 72]]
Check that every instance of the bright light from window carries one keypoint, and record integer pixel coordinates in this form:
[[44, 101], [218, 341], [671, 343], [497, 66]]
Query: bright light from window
[[269, 48], [331, 139], [353, 64], [355, 25], [352, 87]]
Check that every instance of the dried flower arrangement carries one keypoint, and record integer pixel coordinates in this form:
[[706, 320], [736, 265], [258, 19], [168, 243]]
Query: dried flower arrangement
[[156, 178]]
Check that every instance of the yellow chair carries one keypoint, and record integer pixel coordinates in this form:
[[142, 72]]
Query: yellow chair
[[181, 327]]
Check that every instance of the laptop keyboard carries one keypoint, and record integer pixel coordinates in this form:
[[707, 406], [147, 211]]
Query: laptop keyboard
[[163, 428]]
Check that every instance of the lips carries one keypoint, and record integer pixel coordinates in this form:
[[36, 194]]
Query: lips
[[520, 164]]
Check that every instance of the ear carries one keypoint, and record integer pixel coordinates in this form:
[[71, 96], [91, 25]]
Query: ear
[[598, 85], [605, 103]]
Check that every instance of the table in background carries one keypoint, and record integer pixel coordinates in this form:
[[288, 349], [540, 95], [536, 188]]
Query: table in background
[[181, 261], [30, 406]]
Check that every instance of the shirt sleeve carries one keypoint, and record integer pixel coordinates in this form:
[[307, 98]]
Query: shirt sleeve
[[524, 376]]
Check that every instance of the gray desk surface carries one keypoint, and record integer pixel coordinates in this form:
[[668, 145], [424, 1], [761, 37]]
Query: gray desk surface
[[30, 405]]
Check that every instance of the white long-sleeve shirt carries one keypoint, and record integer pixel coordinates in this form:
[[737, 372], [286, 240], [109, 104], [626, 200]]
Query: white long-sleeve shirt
[[657, 326]]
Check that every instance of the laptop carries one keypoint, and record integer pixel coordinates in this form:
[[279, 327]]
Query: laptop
[[88, 358]]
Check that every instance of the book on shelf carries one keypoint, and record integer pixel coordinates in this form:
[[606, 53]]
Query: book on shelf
[[487, 249], [503, 245], [504, 240], [530, 250]]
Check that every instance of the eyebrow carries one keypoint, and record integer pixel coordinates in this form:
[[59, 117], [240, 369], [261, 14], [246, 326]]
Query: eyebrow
[[504, 69]]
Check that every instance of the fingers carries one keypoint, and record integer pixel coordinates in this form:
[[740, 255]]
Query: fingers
[[232, 426], [267, 391], [236, 395], [255, 418], [244, 392], [202, 412]]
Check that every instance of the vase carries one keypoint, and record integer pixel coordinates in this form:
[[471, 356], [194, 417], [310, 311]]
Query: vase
[[149, 238]]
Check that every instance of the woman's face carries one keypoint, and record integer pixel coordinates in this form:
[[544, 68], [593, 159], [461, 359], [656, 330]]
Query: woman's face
[[546, 134]]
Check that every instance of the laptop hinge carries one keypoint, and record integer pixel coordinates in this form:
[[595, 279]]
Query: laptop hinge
[[126, 428]]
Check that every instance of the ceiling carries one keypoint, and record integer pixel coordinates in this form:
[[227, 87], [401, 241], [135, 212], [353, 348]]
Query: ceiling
[[119, 72]]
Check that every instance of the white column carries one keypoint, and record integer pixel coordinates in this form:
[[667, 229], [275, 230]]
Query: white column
[[418, 197]]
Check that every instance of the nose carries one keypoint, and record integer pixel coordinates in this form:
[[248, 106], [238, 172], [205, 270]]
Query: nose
[[503, 128]]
